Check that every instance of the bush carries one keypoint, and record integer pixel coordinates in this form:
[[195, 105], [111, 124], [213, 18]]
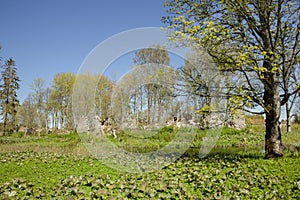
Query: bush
[[166, 130], [19, 134], [231, 131], [165, 134]]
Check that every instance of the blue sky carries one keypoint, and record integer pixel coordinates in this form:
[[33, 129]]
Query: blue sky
[[47, 37]]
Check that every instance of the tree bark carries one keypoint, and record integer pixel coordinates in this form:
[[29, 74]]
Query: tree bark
[[288, 118], [273, 142]]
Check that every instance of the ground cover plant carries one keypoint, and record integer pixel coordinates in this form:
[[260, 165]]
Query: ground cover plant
[[42, 167]]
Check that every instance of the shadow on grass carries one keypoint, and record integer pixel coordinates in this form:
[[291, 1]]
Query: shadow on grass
[[230, 153]]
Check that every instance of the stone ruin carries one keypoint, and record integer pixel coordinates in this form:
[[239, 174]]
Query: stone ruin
[[212, 120], [238, 121], [97, 126], [108, 126]]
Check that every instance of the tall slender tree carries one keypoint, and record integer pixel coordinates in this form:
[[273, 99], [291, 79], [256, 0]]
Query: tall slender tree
[[9, 102]]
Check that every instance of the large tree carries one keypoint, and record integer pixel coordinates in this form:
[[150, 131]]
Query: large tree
[[102, 96], [60, 100], [9, 102], [27, 114], [39, 100], [255, 39], [153, 67], [91, 95]]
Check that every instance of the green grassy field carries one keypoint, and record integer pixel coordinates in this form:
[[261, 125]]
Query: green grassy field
[[59, 167]]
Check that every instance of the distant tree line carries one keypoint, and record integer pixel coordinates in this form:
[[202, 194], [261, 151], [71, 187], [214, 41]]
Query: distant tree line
[[149, 95], [51, 107]]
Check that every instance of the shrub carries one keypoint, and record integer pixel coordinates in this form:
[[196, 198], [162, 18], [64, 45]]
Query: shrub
[[231, 131]]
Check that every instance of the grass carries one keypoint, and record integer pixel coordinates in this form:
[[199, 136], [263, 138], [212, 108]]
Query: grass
[[59, 167], [65, 144], [47, 169], [292, 138]]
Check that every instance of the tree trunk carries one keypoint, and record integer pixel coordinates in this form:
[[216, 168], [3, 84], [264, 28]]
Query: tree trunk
[[46, 124], [288, 118], [273, 142]]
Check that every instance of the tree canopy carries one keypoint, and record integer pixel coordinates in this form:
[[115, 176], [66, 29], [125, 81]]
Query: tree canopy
[[256, 40]]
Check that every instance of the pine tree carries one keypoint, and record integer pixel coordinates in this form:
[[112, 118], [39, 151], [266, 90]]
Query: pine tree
[[9, 102]]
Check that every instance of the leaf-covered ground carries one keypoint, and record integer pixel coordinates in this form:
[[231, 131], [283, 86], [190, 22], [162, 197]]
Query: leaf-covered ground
[[29, 175], [235, 169]]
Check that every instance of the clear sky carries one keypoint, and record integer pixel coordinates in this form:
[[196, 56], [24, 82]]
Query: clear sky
[[47, 37]]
